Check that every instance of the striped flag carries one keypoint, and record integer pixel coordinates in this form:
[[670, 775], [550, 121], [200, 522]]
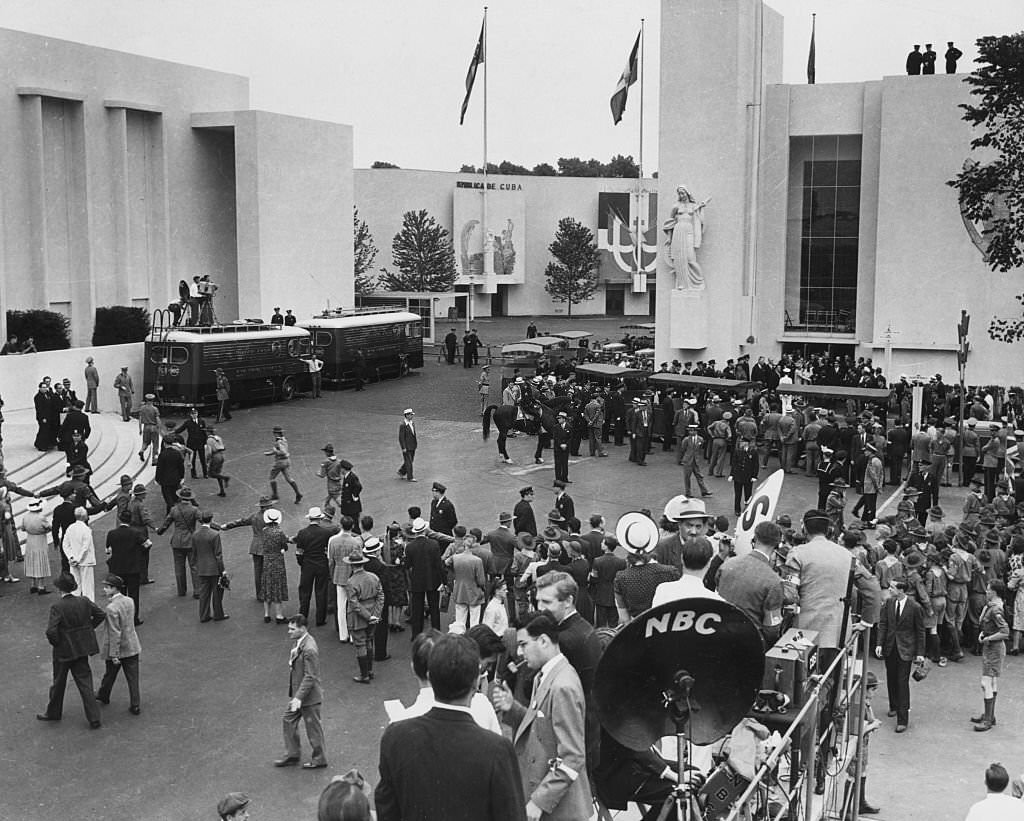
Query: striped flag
[[478, 58], [810, 56], [627, 79]]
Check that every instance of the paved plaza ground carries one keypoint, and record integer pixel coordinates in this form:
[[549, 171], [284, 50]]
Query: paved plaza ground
[[213, 694]]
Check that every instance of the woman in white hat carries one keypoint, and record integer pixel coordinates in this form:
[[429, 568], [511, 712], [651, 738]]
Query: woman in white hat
[[274, 579], [37, 563]]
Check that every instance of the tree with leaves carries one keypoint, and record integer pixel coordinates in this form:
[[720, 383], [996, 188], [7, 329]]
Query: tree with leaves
[[992, 188], [365, 252], [423, 254], [383, 164], [572, 277]]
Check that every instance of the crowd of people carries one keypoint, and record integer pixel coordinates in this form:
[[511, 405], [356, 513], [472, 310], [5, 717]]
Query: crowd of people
[[528, 605]]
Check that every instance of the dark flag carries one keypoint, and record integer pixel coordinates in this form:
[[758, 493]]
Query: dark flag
[[478, 58], [627, 79], [810, 56]]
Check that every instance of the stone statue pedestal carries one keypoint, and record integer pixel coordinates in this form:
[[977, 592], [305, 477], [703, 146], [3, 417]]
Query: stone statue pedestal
[[688, 325], [489, 284]]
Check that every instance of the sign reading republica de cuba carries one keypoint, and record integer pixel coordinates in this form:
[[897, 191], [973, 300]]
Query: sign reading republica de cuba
[[491, 186]]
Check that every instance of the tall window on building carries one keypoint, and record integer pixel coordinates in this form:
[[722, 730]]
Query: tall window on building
[[829, 225]]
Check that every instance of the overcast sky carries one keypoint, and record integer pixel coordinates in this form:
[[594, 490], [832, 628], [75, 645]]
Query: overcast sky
[[395, 70]]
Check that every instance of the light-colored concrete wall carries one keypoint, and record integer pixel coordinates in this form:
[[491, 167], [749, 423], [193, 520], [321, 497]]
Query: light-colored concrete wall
[[20, 375], [927, 269], [108, 135], [384, 195], [294, 199], [712, 77]]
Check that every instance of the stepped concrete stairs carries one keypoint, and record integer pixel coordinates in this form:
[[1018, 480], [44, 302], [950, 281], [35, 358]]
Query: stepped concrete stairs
[[113, 451]]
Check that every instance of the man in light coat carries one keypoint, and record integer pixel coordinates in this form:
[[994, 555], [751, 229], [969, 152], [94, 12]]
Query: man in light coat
[[81, 553], [549, 732], [304, 698], [120, 646], [469, 587]]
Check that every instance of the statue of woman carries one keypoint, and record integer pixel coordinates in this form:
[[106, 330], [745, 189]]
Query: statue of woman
[[684, 230]]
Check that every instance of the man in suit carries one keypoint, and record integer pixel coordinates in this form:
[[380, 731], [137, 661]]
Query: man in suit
[[407, 442], [194, 429], [549, 734], [76, 420], [640, 423], [560, 435], [442, 765], [70, 631], [305, 698], [743, 472], [602, 580], [170, 470], [557, 594], [901, 637], [121, 646], [141, 520], [523, 519], [566, 507], [442, 511], [339, 547], [689, 457], [184, 517], [372, 549], [314, 568], [469, 587], [594, 413], [208, 561], [592, 539], [503, 542], [255, 522], [426, 574], [351, 491], [124, 555]]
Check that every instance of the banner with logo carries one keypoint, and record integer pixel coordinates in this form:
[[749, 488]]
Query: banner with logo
[[760, 508], [616, 227]]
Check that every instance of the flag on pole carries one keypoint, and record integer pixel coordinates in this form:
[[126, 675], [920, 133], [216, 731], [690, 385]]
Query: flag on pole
[[810, 55], [627, 79], [478, 58]]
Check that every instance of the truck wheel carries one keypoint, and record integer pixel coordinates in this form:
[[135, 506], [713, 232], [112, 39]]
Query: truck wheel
[[287, 388]]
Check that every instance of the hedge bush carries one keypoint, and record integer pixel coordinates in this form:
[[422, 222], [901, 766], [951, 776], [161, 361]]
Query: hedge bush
[[118, 324], [50, 330]]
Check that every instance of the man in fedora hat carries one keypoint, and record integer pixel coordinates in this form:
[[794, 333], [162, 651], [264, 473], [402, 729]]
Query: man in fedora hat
[[407, 442], [223, 395], [692, 519], [314, 574], [330, 469], [183, 517], [255, 523], [874, 481], [375, 566], [426, 575], [689, 450], [71, 631], [365, 602], [208, 562], [92, 384], [120, 647], [282, 465], [142, 521], [503, 543]]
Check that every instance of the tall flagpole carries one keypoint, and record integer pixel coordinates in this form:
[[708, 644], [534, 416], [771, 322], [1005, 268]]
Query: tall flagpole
[[488, 247], [638, 241]]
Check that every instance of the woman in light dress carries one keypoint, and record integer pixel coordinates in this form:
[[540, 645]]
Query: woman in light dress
[[37, 562]]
